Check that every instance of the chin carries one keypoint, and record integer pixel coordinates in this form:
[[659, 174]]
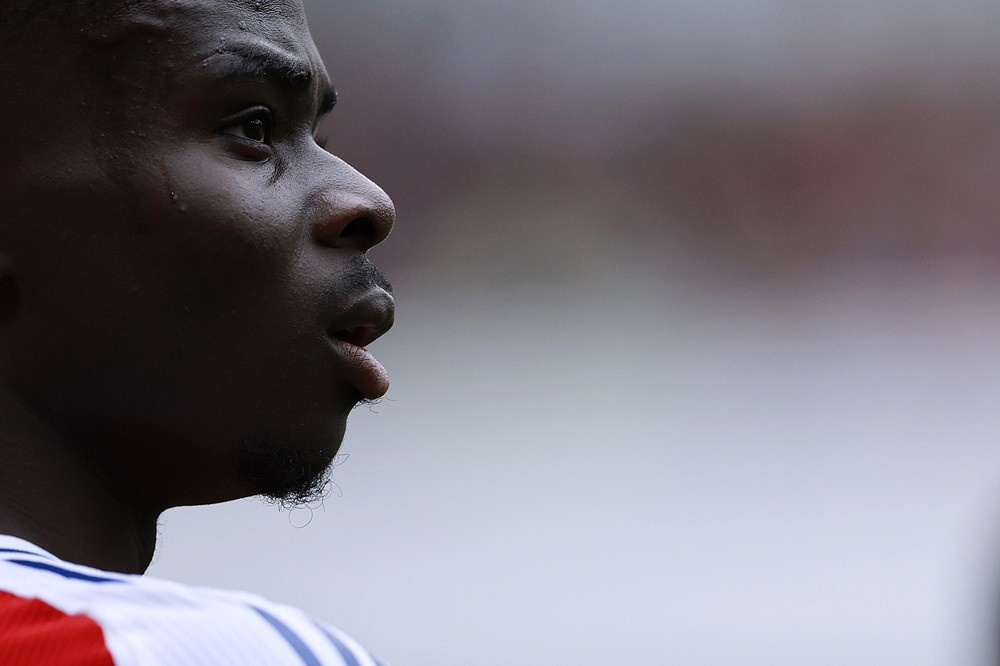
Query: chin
[[290, 471]]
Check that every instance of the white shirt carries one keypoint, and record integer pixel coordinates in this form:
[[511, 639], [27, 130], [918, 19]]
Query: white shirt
[[56, 613]]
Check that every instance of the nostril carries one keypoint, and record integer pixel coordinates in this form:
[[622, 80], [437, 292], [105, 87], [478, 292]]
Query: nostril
[[360, 228]]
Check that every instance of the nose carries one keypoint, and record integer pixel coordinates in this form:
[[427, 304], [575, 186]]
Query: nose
[[356, 213]]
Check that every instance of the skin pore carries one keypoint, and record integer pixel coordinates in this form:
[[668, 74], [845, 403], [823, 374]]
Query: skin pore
[[184, 287]]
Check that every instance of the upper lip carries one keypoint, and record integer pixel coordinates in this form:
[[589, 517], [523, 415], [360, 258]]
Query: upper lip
[[366, 320]]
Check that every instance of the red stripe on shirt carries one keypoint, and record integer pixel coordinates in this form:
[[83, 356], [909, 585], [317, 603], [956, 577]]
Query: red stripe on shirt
[[33, 633]]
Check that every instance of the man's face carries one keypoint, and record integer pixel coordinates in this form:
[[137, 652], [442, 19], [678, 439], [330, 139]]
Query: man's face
[[192, 287]]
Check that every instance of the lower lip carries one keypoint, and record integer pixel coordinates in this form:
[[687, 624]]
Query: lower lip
[[364, 372]]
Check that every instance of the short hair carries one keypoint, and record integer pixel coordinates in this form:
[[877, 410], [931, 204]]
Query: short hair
[[24, 20], [15, 13], [34, 32]]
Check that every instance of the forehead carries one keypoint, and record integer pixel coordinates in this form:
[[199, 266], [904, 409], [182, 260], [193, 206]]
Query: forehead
[[186, 31]]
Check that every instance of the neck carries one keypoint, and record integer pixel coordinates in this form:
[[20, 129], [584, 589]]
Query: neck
[[54, 495]]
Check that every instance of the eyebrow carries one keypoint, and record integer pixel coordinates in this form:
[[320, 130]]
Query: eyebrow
[[257, 62], [253, 61]]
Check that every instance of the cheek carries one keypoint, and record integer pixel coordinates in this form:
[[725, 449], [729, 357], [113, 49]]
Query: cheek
[[185, 258], [203, 199], [216, 229]]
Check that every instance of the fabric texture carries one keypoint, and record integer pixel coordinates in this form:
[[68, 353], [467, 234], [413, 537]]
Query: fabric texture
[[56, 613]]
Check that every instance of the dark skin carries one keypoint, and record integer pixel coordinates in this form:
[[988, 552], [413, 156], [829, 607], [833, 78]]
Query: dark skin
[[184, 288]]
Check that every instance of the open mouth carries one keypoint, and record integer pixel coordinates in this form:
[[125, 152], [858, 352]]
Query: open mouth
[[360, 336], [371, 317]]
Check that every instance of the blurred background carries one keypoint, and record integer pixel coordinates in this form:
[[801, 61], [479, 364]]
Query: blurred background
[[697, 354]]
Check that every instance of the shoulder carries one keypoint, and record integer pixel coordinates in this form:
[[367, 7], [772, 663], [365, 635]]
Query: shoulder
[[93, 617]]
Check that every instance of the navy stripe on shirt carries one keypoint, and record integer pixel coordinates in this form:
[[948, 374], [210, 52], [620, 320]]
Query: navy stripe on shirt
[[65, 573], [345, 652], [22, 552], [293, 639]]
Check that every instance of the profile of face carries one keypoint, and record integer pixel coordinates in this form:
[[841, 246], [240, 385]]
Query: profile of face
[[188, 294]]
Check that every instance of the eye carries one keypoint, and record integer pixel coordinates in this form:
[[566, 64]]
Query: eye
[[255, 126]]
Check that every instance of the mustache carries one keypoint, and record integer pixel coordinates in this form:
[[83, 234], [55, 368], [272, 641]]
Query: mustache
[[360, 275]]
